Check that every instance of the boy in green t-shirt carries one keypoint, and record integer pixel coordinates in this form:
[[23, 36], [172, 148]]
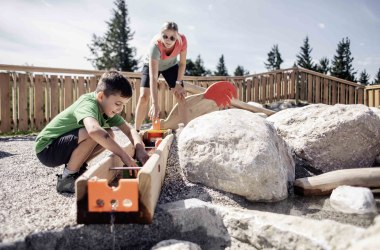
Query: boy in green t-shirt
[[82, 131]]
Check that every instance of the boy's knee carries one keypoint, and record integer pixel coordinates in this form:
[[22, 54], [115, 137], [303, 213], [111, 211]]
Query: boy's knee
[[144, 97]]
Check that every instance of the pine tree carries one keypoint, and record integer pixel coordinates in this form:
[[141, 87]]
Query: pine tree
[[112, 50], [190, 68], [274, 59], [377, 79], [200, 69], [323, 66], [364, 78], [221, 69], [240, 71], [342, 62], [304, 59]]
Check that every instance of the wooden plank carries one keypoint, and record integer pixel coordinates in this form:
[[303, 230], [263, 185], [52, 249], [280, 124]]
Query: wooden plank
[[271, 88], [22, 102], [150, 179], [317, 89], [234, 102], [46, 99], [14, 85], [351, 95], [54, 97], [292, 85], [278, 86], [5, 101], [360, 94], [334, 92], [376, 98], [81, 86], [303, 87], [196, 106], [248, 90], [342, 94], [263, 89], [370, 99], [39, 112], [93, 83], [285, 94], [323, 184], [325, 91], [310, 88], [256, 89], [68, 91]]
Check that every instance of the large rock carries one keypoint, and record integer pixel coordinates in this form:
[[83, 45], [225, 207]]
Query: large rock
[[176, 245], [353, 200], [331, 137], [236, 151], [252, 229]]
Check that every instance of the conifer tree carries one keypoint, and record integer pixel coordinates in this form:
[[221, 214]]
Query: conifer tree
[[274, 59], [113, 49], [323, 66], [342, 62], [190, 68], [304, 59], [200, 69], [364, 78], [221, 69], [377, 79], [240, 71]]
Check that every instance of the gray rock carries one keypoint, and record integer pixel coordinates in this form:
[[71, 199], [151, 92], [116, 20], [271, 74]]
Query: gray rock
[[331, 137], [353, 200], [176, 245], [238, 152]]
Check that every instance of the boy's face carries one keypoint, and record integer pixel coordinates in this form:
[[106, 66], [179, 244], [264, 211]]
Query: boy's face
[[112, 104]]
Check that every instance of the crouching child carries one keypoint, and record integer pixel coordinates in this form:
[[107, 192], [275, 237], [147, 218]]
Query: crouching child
[[83, 130]]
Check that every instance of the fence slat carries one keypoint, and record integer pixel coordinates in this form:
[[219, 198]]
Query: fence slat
[[22, 103], [326, 91], [271, 88], [93, 83], [310, 88], [248, 90], [351, 95], [303, 87], [342, 94], [292, 85], [256, 89], [263, 89], [39, 112], [334, 92], [81, 86], [54, 97], [278, 86], [68, 91], [317, 89], [5, 102]]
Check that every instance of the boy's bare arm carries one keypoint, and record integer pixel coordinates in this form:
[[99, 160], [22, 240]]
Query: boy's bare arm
[[102, 137], [136, 140]]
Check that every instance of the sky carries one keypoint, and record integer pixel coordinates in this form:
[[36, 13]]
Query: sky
[[54, 33]]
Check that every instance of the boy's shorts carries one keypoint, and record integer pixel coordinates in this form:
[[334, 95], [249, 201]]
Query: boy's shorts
[[170, 76], [60, 150]]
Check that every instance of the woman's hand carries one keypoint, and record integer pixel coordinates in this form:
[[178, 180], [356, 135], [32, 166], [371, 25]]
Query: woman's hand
[[154, 112], [179, 92]]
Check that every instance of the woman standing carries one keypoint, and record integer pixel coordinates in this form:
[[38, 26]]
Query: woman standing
[[162, 59]]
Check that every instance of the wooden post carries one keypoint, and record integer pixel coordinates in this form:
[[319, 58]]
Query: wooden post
[[317, 89], [5, 109], [39, 111], [22, 104]]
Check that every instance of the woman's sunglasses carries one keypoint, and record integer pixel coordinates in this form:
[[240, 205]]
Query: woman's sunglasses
[[172, 38]]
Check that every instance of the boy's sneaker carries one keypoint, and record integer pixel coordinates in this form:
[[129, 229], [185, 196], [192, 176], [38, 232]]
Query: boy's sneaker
[[82, 169], [66, 184]]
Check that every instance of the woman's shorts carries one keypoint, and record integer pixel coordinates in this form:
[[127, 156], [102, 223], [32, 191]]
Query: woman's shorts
[[170, 76], [60, 150]]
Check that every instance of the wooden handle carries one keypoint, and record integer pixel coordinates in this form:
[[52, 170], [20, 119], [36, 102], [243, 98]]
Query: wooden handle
[[323, 184], [235, 102]]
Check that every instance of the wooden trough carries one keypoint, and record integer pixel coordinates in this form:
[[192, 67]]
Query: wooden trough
[[102, 191]]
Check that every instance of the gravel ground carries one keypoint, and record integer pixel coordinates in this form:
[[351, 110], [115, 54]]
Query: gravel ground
[[30, 203]]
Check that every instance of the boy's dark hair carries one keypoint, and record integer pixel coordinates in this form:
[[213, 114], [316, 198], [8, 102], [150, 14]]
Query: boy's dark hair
[[112, 83]]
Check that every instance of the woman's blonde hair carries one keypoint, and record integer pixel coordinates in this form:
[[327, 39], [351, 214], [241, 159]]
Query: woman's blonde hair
[[171, 26]]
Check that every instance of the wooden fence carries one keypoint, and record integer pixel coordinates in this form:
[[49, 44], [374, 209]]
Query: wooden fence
[[30, 97]]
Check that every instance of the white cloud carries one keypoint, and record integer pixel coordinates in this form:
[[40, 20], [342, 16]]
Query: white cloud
[[210, 7], [321, 25], [191, 27]]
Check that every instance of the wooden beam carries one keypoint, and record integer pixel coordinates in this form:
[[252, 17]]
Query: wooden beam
[[234, 102], [324, 184]]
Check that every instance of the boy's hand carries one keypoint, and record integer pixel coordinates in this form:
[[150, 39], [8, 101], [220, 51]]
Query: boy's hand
[[129, 162], [141, 155], [154, 112]]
